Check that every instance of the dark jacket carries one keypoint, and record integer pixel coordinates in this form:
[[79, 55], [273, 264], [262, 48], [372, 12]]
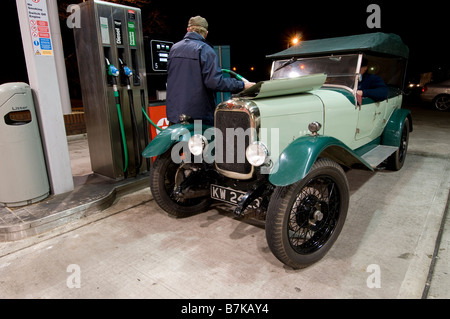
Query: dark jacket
[[193, 78], [373, 87]]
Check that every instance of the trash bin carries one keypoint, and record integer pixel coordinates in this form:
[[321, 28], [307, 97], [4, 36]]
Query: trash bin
[[23, 173]]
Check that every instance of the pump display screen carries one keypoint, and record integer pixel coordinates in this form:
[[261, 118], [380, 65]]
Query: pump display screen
[[160, 54]]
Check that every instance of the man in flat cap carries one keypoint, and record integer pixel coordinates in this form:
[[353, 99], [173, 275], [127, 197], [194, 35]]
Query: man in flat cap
[[194, 76]]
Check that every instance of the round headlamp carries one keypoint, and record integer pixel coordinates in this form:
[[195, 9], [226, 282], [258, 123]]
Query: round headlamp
[[256, 153], [197, 144]]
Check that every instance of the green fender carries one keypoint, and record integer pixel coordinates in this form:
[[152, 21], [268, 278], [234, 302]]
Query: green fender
[[393, 131], [171, 135], [297, 159]]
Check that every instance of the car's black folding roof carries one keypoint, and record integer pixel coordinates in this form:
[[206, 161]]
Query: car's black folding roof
[[378, 43]]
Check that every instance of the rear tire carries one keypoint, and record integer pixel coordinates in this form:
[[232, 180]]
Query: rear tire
[[305, 219], [396, 160]]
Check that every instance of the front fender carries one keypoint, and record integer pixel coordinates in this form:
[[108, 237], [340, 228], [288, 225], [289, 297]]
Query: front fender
[[171, 135], [297, 159]]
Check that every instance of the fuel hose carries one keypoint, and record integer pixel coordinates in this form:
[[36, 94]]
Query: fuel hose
[[150, 121], [136, 136], [146, 139], [114, 72], [122, 130], [237, 76]]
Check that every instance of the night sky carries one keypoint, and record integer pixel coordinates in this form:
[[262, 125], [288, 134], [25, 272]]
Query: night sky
[[255, 29]]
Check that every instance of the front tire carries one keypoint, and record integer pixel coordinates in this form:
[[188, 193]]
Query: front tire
[[305, 219], [165, 175]]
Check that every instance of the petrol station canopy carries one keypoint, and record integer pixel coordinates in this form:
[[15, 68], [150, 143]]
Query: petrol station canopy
[[377, 43]]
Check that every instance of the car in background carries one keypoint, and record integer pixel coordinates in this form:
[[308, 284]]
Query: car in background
[[438, 94]]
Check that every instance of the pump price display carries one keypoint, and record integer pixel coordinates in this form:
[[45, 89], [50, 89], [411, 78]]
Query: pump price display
[[160, 54], [39, 27]]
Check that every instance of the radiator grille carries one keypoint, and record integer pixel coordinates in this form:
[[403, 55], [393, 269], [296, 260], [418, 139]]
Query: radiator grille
[[234, 129]]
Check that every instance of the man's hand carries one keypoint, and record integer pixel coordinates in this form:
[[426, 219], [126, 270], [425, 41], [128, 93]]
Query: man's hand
[[248, 85], [359, 96]]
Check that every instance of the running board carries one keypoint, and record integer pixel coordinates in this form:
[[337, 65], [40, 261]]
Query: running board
[[377, 155]]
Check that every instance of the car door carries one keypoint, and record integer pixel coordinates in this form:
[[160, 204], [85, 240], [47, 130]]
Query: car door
[[370, 119]]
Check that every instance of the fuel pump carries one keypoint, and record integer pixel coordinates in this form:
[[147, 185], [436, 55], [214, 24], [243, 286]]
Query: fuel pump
[[111, 65]]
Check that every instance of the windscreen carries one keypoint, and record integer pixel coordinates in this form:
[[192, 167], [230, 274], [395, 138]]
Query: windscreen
[[340, 69]]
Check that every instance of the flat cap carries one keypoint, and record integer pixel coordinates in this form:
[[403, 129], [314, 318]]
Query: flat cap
[[198, 21]]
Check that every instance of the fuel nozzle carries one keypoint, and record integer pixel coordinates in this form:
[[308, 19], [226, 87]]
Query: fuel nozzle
[[112, 70], [126, 70]]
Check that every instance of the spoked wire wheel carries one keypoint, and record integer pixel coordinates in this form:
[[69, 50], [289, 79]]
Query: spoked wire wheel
[[314, 215], [304, 219]]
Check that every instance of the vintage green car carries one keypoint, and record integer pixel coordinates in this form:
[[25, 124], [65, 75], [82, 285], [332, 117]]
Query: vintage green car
[[282, 147]]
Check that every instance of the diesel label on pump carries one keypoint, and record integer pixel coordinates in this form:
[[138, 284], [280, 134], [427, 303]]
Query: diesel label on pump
[[118, 31]]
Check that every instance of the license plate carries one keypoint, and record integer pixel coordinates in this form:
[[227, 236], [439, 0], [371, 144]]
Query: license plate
[[231, 196]]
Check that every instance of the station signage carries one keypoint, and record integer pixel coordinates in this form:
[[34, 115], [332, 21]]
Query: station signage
[[40, 28]]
